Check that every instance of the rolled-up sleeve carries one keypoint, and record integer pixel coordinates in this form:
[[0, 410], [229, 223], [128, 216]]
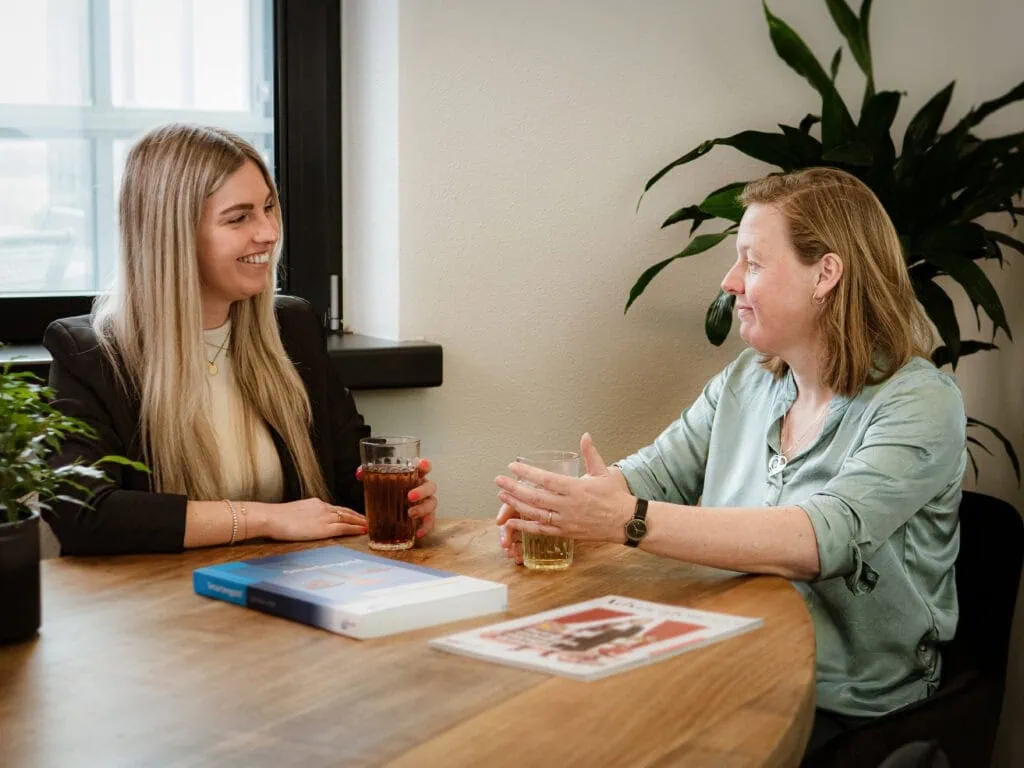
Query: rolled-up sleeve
[[914, 449], [672, 467]]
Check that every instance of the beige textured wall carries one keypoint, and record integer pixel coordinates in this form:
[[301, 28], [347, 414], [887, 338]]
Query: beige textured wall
[[525, 132]]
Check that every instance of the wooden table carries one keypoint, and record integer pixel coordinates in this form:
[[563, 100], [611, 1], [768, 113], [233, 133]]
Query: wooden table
[[132, 668]]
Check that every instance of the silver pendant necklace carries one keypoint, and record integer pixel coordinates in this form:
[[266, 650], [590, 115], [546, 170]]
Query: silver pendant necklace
[[778, 462]]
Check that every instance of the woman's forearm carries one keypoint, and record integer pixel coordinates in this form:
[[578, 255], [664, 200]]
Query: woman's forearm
[[209, 523], [774, 540]]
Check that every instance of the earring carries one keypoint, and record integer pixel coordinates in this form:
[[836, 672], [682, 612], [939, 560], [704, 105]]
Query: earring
[[819, 300]]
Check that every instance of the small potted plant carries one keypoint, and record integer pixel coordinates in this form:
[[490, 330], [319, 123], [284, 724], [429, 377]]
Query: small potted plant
[[31, 430]]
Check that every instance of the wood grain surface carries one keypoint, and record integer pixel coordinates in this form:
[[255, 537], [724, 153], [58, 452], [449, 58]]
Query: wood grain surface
[[131, 668]]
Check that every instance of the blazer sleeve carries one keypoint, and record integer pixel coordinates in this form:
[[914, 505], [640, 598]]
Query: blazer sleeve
[[117, 520]]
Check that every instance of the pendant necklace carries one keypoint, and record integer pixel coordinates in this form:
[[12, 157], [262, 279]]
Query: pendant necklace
[[778, 462], [212, 364]]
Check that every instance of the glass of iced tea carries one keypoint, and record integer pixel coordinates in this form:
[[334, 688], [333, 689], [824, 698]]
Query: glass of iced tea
[[390, 471], [549, 553]]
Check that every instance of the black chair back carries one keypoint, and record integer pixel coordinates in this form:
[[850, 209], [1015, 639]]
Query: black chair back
[[988, 571]]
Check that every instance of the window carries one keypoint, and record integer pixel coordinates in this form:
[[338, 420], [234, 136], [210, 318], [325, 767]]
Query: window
[[92, 75]]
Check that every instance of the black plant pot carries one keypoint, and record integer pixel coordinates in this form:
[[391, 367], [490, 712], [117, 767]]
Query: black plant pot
[[20, 612]]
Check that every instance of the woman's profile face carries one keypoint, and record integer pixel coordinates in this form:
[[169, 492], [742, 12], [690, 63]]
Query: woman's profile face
[[237, 234], [773, 289]]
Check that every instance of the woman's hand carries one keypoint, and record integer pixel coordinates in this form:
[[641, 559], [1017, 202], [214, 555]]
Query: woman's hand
[[304, 520], [511, 539], [423, 499], [595, 507]]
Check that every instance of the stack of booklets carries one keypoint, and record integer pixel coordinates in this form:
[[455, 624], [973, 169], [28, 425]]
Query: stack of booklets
[[350, 592], [597, 638]]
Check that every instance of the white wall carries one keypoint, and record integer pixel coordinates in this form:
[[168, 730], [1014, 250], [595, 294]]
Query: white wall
[[525, 132]]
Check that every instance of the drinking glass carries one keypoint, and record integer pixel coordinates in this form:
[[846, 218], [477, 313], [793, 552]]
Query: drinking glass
[[390, 471], [542, 552]]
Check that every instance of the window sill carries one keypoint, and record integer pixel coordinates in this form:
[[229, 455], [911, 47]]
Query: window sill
[[363, 362]]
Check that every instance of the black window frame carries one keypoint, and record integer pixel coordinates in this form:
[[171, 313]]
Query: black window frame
[[307, 155]]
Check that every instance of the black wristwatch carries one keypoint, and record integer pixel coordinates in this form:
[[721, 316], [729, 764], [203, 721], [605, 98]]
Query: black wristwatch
[[636, 526]]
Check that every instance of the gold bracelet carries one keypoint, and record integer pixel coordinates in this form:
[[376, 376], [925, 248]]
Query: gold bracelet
[[245, 519], [234, 522]]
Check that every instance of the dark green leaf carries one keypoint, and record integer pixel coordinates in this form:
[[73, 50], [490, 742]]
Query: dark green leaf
[[989, 190], [1006, 443], [967, 237], [941, 356], [986, 109], [865, 18], [976, 284], [837, 57], [851, 153], [718, 321], [980, 444], [876, 117], [979, 156], [794, 51], [992, 251], [687, 213], [699, 151], [849, 26], [940, 310], [837, 127], [772, 148], [1005, 239], [923, 128], [724, 203], [808, 122], [806, 148], [974, 464], [699, 244]]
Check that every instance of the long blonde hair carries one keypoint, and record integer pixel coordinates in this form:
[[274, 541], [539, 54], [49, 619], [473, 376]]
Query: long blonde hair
[[871, 321], [150, 323]]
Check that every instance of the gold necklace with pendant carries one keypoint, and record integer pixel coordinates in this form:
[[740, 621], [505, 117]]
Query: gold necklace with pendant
[[212, 364]]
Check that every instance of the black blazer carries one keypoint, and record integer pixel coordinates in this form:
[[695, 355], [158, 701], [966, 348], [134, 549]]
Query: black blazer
[[126, 515]]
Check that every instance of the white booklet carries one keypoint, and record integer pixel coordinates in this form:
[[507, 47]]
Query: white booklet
[[596, 638]]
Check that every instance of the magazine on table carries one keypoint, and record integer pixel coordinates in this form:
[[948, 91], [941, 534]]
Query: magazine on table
[[597, 638]]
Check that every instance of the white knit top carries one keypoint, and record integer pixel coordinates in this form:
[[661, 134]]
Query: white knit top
[[228, 416]]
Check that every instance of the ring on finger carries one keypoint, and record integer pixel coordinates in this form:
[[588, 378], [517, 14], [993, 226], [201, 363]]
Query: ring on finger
[[549, 518]]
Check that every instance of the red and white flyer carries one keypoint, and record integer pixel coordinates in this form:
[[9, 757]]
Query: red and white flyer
[[597, 638]]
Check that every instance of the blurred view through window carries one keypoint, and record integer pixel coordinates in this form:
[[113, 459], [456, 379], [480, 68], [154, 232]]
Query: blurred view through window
[[82, 79]]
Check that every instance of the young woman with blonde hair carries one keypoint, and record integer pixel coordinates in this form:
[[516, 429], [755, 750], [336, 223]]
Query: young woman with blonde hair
[[831, 452], [193, 366]]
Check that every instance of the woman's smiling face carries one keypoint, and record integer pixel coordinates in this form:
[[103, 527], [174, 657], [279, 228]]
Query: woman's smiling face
[[773, 288]]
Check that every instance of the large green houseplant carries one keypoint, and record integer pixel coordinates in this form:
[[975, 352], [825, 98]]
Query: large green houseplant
[[934, 189], [31, 431]]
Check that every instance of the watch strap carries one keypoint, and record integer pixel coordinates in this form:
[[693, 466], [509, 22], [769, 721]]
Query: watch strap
[[639, 513]]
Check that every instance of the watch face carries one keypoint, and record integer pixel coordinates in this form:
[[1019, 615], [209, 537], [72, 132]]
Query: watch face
[[636, 529]]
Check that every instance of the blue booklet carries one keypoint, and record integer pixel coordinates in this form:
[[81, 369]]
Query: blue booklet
[[350, 592]]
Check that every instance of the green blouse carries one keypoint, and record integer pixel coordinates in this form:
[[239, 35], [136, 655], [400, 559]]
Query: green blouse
[[881, 487]]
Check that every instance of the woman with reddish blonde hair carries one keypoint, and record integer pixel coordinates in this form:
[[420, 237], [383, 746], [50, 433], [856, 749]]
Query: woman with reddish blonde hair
[[830, 452]]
